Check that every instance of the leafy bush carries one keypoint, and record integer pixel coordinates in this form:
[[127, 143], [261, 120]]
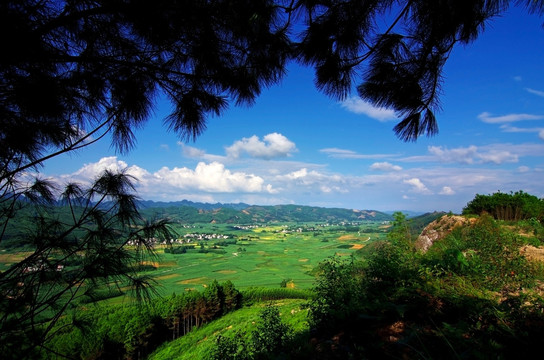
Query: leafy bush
[[234, 347], [270, 339], [338, 292], [272, 336]]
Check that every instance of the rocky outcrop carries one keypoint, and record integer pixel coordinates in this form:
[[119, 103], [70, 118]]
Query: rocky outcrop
[[438, 229]]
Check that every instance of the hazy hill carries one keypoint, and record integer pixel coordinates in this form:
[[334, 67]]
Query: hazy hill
[[144, 204], [260, 214], [187, 212]]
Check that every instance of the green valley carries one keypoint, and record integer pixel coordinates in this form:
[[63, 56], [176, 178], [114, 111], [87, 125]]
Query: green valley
[[327, 284]]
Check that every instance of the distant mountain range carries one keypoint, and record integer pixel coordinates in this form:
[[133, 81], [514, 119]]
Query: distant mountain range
[[408, 213], [144, 204], [188, 212], [193, 212]]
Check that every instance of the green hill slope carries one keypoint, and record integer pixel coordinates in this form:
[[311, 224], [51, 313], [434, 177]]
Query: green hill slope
[[199, 343], [263, 214]]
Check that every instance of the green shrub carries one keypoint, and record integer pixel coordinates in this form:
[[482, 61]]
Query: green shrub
[[235, 347], [272, 336], [338, 293], [270, 340]]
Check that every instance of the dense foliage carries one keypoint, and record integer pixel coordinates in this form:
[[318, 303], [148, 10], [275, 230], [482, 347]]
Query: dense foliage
[[472, 295], [512, 206]]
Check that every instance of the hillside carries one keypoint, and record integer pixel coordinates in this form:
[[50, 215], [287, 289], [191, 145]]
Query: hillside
[[144, 204], [261, 214], [418, 223]]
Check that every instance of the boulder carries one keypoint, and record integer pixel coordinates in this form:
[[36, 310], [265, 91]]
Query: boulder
[[440, 228]]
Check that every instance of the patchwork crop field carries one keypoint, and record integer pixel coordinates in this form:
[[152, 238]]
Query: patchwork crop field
[[270, 256]]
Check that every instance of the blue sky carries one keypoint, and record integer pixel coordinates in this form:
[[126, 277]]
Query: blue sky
[[297, 146]]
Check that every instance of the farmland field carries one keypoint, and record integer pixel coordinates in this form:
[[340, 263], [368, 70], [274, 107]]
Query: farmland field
[[261, 256]]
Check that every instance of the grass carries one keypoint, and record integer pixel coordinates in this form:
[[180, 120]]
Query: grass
[[199, 343]]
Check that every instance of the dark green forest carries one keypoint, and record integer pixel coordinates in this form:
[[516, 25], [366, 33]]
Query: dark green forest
[[513, 206]]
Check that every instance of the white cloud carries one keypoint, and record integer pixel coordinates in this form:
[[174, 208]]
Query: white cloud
[[488, 118], [446, 190], [349, 154], [312, 181], [299, 174], [459, 155], [417, 185], [213, 177], [515, 129], [340, 153], [385, 166], [90, 171], [274, 145], [524, 169], [498, 157], [191, 152], [536, 92], [358, 106], [206, 178], [472, 155], [541, 134]]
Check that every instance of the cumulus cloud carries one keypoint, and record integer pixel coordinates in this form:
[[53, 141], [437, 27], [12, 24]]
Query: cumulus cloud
[[90, 171], [417, 185], [488, 118], [385, 166], [212, 177], [428, 186], [273, 145], [358, 106]]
